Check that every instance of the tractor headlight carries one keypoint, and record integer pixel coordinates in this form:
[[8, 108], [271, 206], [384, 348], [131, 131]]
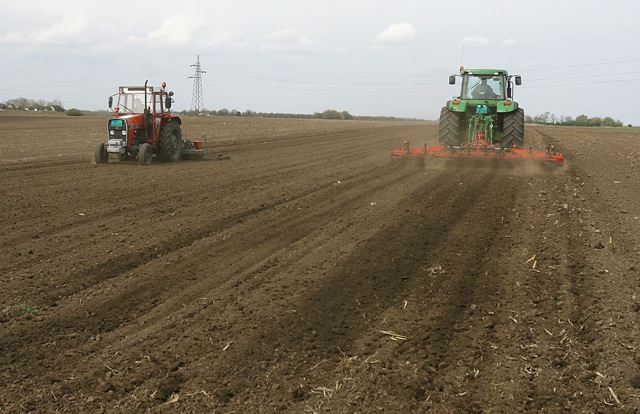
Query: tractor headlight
[[124, 132], [111, 132]]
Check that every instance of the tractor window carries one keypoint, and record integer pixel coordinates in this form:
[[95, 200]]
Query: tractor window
[[157, 104], [138, 104], [132, 103], [482, 87]]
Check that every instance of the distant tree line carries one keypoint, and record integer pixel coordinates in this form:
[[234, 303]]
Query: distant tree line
[[24, 104], [581, 120], [248, 113], [327, 114], [547, 118]]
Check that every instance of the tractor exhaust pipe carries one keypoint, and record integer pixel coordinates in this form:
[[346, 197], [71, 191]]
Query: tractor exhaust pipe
[[145, 94]]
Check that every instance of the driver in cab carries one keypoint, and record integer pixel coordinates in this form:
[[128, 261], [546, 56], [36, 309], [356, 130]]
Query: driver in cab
[[483, 91]]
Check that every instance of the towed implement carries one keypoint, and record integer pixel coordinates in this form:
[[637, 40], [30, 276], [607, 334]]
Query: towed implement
[[479, 148], [483, 122]]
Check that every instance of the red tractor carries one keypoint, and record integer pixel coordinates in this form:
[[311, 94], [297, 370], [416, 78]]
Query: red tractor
[[144, 127]]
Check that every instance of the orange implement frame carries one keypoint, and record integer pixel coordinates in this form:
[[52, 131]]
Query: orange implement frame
[[480, 149]]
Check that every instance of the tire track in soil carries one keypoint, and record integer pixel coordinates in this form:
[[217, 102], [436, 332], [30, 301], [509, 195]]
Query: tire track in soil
[[470, 290], [230, 333], [109, 268], [530, 304], [319, 159], [597, 289], [552, 365], [441, 302], [367, 281], [398, 234], [65, 231], [546, 304], [398, 253], [150, 294]]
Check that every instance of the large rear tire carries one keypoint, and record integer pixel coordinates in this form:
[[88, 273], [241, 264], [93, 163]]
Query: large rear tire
[[449, 127], [513, 129], [171, 142], [145, 154], [101, 155]]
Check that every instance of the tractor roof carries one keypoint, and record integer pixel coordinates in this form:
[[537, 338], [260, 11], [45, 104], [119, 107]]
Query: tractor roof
[[483, 71], [139, 89]]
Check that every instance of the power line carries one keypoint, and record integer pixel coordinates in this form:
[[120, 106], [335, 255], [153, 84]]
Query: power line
[[579, 66]]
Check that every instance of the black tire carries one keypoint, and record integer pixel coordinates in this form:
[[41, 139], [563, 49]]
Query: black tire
[[145, 154], [171, 142], [513, 129], [101, 154], [449, 127]]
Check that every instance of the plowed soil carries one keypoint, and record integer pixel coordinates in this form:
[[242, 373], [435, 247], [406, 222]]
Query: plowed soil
[[311, 273]]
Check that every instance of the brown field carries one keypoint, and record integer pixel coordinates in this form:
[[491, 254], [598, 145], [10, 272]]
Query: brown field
[[310, 273]]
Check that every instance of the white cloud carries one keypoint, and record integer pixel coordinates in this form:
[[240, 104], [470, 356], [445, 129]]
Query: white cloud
[[531, 64], [397, 33], [231, 39], [508, 42], [176, 30], [281, 34], [12, 38], [476, 41], [71, 29], [288, 40]]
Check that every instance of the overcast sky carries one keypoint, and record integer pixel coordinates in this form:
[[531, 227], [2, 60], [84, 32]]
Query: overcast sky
[[370, 57]]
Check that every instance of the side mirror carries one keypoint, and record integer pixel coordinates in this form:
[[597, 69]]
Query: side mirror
[[452, 80], [167, 102], [518, 80], [110, 101]]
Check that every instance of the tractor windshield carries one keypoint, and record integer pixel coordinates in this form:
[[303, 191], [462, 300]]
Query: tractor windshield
[[482, 87], [132, 103]]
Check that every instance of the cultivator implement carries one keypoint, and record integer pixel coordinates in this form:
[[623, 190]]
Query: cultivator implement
[[194, 149], [480, 149]]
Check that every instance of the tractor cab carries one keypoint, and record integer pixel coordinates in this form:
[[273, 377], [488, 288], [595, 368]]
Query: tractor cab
[[486, 84], [482, 87], [137, 99]]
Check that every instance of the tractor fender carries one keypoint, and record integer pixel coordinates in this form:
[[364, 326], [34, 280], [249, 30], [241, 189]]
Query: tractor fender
[[506, 106], [457, 105]]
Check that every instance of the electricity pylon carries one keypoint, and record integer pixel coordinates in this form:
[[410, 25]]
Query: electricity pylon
[[196, 101]]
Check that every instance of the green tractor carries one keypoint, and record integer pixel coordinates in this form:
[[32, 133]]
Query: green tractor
[[485, 111], [484, 122]]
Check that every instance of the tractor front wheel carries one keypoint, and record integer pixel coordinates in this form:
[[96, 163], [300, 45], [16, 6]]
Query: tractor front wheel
[[449, 127], [171, 142], [513, 129], [145, 154], [101, 154]]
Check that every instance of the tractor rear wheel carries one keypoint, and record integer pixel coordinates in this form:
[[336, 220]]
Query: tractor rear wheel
[[449, 127], [145, 154], [513, 129], [101, 154], [171, 142]]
